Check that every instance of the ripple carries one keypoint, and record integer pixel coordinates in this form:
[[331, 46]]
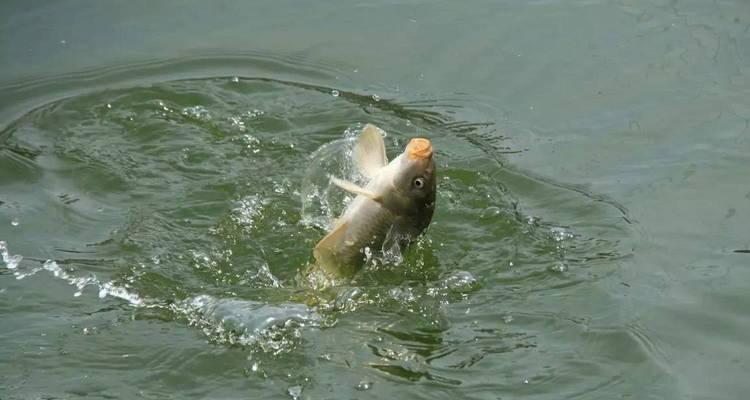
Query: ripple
[[197, 202]]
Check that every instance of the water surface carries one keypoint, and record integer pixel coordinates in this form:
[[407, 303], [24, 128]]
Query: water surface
[[589, 242]]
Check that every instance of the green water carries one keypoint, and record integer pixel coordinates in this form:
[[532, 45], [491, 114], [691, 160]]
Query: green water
[[590, 239]]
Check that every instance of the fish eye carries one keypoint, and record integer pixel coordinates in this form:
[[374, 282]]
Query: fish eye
[[418, 182]]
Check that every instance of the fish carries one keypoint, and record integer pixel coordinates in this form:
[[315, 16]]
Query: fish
[[394, 207]]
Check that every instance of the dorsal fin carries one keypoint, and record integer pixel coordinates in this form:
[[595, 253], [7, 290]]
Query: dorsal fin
[[369, 152]]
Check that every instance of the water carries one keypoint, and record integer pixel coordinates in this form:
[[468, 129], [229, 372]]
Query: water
[[590, 239]]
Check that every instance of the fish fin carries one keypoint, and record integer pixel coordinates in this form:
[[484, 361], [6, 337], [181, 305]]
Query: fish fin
[[369, 152], [325, 251], [353, 188]]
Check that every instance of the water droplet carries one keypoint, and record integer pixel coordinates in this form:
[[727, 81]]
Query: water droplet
[[63, 42], [363, 385], [109, 106], [508, 319], [460, 281], [15, 221], [347, 300], [408, 123], [235, 79], [559, 266], [526, 381], [255, 113], [335, 93], [559, 234], [295, 391], [199, 113], [376, 97]]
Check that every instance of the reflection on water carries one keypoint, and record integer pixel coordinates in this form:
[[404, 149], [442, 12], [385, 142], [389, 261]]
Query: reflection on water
[[181, 200]]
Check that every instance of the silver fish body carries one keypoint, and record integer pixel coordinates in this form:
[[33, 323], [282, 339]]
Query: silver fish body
[[396, 205]]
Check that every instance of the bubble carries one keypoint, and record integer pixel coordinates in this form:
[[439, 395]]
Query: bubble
[[235, 79], [238, 122], [490, 212], [335, 93], [15, 221], [363, 385], [559, 234], [508, 319], [559, 266], [255, 113], [376, 97], [199, 113]]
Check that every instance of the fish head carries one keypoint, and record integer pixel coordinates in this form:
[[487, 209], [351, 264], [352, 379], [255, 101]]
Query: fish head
[[414, 183]]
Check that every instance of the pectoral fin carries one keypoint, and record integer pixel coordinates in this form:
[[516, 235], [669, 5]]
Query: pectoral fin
[[369, 152], [353, 188]]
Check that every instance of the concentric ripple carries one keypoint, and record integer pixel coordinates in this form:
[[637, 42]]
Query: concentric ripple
[[186, 195]]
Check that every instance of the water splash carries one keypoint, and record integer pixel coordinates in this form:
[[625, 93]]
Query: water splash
[[320, 204], [295, 392], [198, 113], [248, 210], [12, 262], [272, 328]]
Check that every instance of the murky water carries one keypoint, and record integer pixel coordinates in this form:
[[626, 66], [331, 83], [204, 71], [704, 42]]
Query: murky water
[[590, 238]]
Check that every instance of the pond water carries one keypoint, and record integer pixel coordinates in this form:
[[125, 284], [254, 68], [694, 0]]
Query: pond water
[[591, 233]]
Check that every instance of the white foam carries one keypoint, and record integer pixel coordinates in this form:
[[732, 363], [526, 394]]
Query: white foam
[[12, 262]]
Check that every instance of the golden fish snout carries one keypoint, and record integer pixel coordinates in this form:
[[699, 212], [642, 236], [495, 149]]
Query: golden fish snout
[[419, 149]]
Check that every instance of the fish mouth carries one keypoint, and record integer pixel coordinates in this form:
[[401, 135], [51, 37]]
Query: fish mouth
[[419, 149]]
